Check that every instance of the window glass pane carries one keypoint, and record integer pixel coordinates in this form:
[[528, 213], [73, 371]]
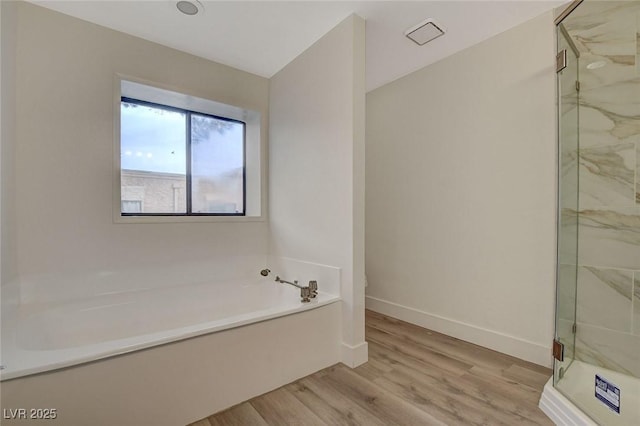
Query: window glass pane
[[153, 159], [131, 206], [217, 165]]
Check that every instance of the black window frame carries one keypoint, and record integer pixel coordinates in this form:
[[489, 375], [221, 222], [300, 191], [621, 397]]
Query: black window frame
[[188, 190]]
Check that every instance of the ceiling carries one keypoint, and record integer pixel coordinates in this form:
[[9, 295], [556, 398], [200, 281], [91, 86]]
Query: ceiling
[[261, 37]]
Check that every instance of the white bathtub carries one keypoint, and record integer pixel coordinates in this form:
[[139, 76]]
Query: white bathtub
[[164, 356], [38, 338]]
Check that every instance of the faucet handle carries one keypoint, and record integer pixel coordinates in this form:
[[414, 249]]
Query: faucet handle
[[313, 287], [305, 295]]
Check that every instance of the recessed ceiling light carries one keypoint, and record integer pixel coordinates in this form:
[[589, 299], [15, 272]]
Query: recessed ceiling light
[[595, 65], [425, 31], [190, 8]]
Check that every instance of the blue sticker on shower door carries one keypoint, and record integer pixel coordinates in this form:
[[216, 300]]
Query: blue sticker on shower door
[[608, 393]]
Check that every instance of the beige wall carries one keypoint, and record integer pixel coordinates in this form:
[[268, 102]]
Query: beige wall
[[461, 187], [64, 153], [7, 140], [316, 177]]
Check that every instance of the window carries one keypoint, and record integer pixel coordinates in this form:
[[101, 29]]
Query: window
[[182, 158], [177, 162]]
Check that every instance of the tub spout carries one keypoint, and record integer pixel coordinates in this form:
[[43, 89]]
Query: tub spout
[[294, 283], [313, 287]]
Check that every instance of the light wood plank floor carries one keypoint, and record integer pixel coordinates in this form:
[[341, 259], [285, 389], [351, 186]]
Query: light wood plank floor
[[414, 376]]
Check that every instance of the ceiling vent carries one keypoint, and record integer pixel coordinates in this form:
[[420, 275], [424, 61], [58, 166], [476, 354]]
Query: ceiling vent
[[425, 31]]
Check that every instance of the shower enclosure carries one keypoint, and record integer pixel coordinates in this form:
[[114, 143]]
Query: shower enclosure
[[597, 346]]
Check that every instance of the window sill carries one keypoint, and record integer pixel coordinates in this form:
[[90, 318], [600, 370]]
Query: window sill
[[186, 219]]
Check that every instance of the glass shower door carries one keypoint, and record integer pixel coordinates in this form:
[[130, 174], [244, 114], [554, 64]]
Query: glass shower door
[[567, 268], [599, 209]]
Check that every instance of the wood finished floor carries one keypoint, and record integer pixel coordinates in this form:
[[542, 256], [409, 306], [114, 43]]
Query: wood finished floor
[[414, 376]]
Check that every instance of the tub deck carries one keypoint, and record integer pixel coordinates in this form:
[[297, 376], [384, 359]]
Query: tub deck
[[41, 338], [180, 382]]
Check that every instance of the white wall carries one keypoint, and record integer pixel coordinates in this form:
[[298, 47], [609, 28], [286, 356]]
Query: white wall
[[64, 160], [461, 187], [7, 140], [316, 169]]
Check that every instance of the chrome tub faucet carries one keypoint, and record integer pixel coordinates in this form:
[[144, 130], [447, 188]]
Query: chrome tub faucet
[[306, 292]]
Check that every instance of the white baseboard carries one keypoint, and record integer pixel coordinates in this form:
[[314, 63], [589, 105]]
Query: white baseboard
[[511, 345], [560, 410], [353, 356]]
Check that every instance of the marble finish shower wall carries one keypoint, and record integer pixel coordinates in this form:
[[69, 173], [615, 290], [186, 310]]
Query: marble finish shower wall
[[608, 161]]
